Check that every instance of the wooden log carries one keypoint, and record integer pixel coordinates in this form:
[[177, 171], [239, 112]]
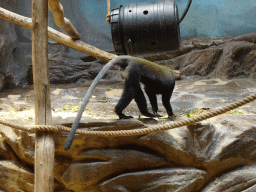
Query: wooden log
[[62, 38], [61, 21], [44, 147], [57, 36]]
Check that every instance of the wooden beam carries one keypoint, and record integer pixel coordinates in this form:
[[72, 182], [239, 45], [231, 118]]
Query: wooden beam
[[57, 36], [44, 147]]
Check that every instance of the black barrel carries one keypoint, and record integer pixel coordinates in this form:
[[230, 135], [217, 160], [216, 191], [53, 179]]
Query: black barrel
[[145, 27]]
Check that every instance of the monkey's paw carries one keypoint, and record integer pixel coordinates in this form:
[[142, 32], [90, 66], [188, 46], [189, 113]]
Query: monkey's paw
[[125, 117]]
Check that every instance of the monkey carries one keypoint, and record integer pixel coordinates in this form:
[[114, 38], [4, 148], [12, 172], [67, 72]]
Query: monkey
[[157, 79]]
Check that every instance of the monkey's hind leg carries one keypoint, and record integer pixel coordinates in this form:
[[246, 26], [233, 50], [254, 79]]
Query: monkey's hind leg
[[166, 102], [153, 100], [142, 103]]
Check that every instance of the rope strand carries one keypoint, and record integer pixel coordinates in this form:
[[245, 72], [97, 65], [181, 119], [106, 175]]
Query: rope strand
[[108, 9]]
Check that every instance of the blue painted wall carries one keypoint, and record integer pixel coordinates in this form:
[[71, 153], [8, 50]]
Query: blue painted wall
[[206, 18]]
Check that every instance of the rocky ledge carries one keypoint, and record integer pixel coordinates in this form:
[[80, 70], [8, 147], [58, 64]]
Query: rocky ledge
[[213, 155]]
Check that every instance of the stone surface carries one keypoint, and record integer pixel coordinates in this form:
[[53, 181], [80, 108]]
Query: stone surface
[[213, 155], [15, 178], [22, 144], [176, 179], [104, 164], [241, 179]]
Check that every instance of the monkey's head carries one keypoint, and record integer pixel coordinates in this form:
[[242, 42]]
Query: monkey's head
[[123, 72], [123, 62]]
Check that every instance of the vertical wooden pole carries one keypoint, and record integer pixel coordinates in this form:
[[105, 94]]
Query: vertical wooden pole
[[44, 149]]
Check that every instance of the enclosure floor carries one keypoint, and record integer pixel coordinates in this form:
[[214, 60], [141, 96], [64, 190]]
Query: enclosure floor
[[189, 96]]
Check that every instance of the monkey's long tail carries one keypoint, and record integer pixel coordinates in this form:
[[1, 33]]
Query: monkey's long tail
[[87, 96]]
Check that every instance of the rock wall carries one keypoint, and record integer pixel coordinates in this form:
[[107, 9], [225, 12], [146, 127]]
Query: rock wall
[[214, 155], [233, 58], [8, 43], [213, 58], [199, 57], [15, 46]]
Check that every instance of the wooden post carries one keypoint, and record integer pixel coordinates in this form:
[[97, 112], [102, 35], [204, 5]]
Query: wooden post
[[44, 147]]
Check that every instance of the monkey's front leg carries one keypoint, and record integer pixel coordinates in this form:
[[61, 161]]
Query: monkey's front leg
[[127, 96]]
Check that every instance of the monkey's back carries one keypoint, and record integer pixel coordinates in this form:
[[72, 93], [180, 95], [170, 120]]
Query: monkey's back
[[159, 77]]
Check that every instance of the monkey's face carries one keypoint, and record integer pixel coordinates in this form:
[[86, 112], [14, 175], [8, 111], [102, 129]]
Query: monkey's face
[[123, 72]]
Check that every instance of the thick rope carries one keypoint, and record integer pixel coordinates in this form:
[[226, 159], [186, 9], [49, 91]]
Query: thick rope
[[108, 9], [141, 131]]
